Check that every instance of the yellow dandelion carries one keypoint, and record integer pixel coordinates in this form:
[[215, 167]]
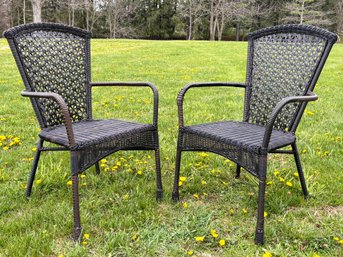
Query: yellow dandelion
[[61, 255], [340, 242], [245, 211], [309, 112], [134, 237], [203, 182], [5, 148], [315, 255], [34, 149], [269, 183], [190, 253], [82, 176], [267, 254], [222, 242], [276, 172], [185, 205], [281, 179], [265, 214], [38, 181], [84, 243], [149, 156], [86, 236], [214, 233], [304, 151], [140, 172], [107, 169], [196, 196], [296, 174], [69, 183], [336, 238], [200, 238], [180, 183], [183, 179], [204, 155], [232, 211], [118, 163], [126, 197], [103, 161], [205, 194], [84, 184], [289, 183]]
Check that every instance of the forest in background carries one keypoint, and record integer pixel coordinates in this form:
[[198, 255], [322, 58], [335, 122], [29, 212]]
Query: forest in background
[[173, 19]]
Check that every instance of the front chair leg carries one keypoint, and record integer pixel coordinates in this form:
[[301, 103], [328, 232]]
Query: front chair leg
[[76, 208], [300, 170], [175, 195], [97, 168], [34, 168], [238, 171], [259, 235], [159, 193]]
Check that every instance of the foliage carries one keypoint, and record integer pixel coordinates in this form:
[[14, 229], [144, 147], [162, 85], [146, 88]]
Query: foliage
[[119, 213]]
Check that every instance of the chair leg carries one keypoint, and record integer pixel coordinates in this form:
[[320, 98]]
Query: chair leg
[[159, 193], [97, 168], [238, 171], [259, 234], [175, 194], [300, 170], [34, 168], [76, 208]]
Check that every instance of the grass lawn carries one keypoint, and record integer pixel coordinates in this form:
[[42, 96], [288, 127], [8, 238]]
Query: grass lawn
[[118, 208]]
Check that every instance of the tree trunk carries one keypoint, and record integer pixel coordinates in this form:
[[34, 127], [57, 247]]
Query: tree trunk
[[37, 10], [212, 25], [190, 24], [5, 22], [302, 11], [24, 12], [87, 13], [238, 28]]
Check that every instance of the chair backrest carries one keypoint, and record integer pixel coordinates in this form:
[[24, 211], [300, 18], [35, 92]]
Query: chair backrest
[[283, 61], [54, 58]]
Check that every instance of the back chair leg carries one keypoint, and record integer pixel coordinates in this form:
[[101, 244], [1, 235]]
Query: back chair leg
[[34, 168], [259, 234], [175, 194], [300, 170], [238, 171], [97, 168], [76, 208], [159, 193]]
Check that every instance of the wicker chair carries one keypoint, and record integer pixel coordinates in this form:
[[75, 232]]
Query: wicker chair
[[284, 63], [54, 62]]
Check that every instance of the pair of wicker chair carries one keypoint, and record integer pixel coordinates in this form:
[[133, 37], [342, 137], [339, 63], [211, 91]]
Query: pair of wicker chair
[[284, 63]]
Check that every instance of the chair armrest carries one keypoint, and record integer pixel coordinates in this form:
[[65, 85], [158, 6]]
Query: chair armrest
[[134, 84], [63, 107], [282, 103], [182, 93]]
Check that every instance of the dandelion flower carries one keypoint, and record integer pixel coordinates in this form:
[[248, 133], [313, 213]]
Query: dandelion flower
[[140, 172], [82, 176], [185, 205], [232, 211], [190, 253], [265, 214], [269, 183], [38, 181], [183, 179], [84, 243], [295, 174], [222, 242], [245, 211], [34, 149], [276, 172], [340, 242], [214, 233], [180, 183], [103, 161], [336, 238], [281, 179], [134, 237], [203, 182], [200, 238], [315, 255], [267, 254], [69, 183], [126, 197], [289, 183]]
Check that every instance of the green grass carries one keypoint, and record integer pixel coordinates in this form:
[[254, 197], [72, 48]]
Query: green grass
[[118, 209]]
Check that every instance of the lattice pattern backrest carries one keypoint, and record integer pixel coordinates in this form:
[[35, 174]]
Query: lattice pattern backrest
[[55, 61], [282, 65]]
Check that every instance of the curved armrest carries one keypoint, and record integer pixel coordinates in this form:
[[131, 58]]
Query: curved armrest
[[282, 103], [63, 107], [134, 84], [181, 95]]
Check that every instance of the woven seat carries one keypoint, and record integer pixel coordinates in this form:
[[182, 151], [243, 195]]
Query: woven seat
[[54, 62], [247, 136], [284, 63], [94, 132]]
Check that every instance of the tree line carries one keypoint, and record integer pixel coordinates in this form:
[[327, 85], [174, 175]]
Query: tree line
[[173, 19]]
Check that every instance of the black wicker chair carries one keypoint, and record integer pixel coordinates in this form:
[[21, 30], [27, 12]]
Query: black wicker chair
[[54, 62], [284, 63]]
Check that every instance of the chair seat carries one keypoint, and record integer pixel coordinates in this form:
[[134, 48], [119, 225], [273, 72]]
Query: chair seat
[[245, 135], [93, 132]]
